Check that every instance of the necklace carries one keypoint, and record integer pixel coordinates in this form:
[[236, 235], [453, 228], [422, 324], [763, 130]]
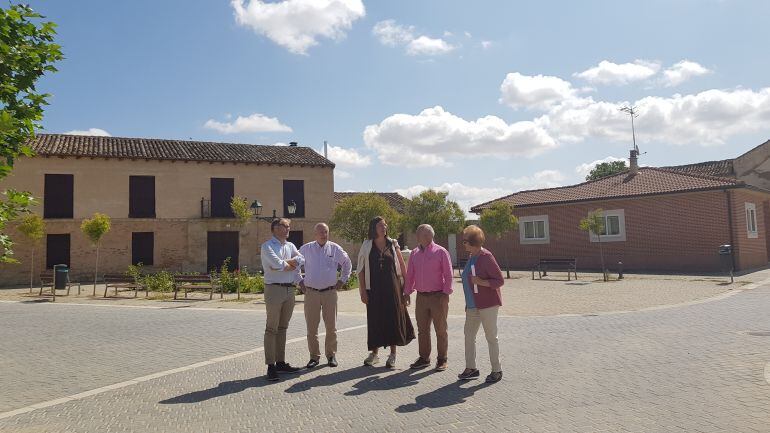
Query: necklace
[[381, 260]]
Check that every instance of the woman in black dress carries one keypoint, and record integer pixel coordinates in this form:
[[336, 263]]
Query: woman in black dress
[[381, 272]]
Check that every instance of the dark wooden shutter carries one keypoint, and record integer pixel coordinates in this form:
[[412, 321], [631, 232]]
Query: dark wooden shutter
[[58, 195], [222, 245], [57, 250], [141, 196], [142, 248], [296, 237], [294, 190], [222, 192]]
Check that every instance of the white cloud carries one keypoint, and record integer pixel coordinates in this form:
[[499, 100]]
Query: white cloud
[[426, 46], [706, 118], [349, 158], [341, 174], [90, 131], [541, 179], [486, 45], [253, 123], [434, 136], [466, 196], [297, 24], [392, 34], [583, 169], [683, 71], [607, 72], [467, 34], [539, 91]]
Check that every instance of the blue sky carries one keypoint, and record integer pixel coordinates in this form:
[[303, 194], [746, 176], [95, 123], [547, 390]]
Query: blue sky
[[477, 98]]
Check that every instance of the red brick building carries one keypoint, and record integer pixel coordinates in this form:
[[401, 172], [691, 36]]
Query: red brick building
[[663, 219]]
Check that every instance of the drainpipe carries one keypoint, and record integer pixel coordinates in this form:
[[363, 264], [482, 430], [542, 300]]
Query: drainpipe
[[730, 223]]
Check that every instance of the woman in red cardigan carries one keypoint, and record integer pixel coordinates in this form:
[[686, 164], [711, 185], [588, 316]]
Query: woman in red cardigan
[[482, 280]]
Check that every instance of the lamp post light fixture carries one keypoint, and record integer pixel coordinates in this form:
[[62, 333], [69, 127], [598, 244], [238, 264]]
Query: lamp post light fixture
[[292, 208], [256, 208]]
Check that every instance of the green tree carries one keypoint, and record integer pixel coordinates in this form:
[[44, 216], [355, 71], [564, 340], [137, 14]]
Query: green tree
[[432, 207], [241, 210], [605, 169], [352, 215], [27, 52], [32, 226], [594, 223], [497, 220], [95, 228]]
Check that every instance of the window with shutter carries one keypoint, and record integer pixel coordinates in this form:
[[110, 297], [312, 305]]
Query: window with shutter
[[294, 192], [222, 192], [58, 195], [142, 248], [141, 196]]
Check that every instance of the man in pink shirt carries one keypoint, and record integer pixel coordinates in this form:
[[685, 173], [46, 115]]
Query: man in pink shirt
[[429, 273]]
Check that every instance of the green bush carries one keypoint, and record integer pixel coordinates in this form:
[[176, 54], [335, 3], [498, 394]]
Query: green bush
[[250, 283], [163, 281], [352, 282]]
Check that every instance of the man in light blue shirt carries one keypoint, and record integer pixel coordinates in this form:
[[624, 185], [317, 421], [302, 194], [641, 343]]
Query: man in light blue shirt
[[320, 285], [280, 262]]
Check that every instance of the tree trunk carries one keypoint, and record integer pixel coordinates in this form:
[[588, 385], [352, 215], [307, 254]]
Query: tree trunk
[[31, 270], [96, 269], [507, 263]]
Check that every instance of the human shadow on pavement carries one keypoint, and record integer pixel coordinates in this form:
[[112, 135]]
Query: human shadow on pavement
[[447, 395], [389, 382], [229, 387], [334, 378]]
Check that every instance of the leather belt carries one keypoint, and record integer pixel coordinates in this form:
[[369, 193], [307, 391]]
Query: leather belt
[[435, 292], [321, 290], [281, 284]]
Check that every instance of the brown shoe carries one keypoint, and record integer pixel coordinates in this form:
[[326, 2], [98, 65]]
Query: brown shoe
[[441, 365]]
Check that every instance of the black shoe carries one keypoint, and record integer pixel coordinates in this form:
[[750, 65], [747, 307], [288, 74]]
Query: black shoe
[[494, 377], [420, 363], [332, 361], [313, 363], [468, 374], [284, 367], [272, 373]]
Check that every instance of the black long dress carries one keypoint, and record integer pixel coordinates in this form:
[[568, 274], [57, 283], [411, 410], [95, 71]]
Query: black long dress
[[387, 318]]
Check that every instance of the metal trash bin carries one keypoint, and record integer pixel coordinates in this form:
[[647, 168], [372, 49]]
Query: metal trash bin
[[61, 273], [726, 259]]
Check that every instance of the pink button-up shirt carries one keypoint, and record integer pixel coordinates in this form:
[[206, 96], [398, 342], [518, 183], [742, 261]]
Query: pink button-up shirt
[[429, 270]]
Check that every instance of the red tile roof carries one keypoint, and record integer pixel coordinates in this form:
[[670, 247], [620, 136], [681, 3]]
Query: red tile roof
[[648, 181], [394, 199], [723, 168], [174, 150]]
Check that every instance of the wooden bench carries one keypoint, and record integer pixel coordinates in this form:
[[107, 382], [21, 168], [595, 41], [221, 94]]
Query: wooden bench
[[46, 280], [561, 264], [191, 283], [122, 281]]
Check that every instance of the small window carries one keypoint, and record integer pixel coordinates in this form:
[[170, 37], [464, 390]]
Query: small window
[[751, 220], [58, 196], [141, 196], [294, 195], [614, 227], [533, 229], [142, 248], [57, 250]]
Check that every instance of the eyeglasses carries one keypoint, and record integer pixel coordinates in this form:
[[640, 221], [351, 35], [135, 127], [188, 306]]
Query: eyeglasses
[[284, 225]]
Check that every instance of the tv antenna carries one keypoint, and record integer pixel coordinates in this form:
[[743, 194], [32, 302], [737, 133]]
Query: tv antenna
[[632, 112]]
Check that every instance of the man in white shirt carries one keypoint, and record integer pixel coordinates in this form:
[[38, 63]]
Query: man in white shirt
[[320, 284], [280, 262]]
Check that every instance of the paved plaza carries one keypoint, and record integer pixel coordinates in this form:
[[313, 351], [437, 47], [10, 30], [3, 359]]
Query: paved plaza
[[702, 366]]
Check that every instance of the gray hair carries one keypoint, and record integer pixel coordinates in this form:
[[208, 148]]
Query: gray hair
[[426, 227], [324, 225]]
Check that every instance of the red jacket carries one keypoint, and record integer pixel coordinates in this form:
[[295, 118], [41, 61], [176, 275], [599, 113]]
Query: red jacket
[[487, 269]]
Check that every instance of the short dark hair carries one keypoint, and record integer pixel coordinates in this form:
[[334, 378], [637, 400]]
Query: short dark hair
[[278, 221], [373, 227]]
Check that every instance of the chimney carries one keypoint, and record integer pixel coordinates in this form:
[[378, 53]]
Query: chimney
[[293, 143], [326, 150], [633, 162]]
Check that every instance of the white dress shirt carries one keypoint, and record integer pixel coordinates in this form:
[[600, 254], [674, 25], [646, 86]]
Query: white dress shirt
[[321, 262], [274, 255]]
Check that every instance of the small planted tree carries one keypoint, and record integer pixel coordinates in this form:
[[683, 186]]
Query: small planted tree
[[95, 228], [32, 227], [432, 207], [594, 223], [242, 212], [352, 215], [498, 220]]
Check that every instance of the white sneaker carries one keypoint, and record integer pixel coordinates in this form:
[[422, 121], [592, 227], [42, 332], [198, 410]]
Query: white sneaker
[[391, 362], [372, 359]]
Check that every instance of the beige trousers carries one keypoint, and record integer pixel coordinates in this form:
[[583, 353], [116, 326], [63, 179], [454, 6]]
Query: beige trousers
[[318, 304], [279, 305], [486, 317]]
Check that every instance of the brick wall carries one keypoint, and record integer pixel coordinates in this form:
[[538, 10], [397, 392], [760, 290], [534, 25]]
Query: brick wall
[[679, 232]]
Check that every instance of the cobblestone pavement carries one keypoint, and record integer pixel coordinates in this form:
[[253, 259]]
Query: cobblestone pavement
[[694, 368]]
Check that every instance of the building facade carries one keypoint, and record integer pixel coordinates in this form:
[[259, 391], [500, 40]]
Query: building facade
[[169, 201]]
